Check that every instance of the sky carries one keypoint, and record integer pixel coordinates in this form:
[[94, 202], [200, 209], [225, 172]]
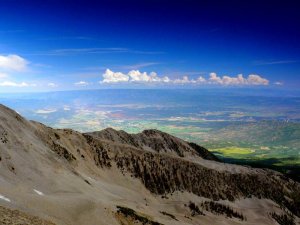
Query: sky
[[66, 45]]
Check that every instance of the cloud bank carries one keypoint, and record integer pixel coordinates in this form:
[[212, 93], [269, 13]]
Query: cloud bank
[[132, 76], [14, 84], [253, 79], [135, 76]]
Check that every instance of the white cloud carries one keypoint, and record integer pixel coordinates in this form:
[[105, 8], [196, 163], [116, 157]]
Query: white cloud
[[239, 80], [143, 77], [45, 111], [13, 63], [3, 75], [187, 80], [137, 76], [184, 80], [139, 65], [166, 79], [278, 83], [254, 79], [201, 80], [260, 63], [14, 84], [81, 83], [213, 78], [132, 76], [112, 77], [153, 77], [52, 85]]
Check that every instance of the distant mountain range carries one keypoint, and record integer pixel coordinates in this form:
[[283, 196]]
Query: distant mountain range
[[64, 177]]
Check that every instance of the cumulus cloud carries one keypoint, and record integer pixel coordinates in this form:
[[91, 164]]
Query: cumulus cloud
[[81, 83], [137, 76], [183, 80], [13, 63], [213, 78], [201, 80], [144, 77], [253, 79], [112, 77], [187, 80], [166, 79], [132, 76], [239, 80]]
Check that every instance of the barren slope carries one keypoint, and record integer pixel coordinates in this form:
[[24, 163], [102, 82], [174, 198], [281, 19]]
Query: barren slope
[[111, 177]]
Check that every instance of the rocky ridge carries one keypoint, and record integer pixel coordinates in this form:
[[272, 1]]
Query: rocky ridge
[[111, 164]]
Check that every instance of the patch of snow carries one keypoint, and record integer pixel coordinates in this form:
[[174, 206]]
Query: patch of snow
[[38, 192], [90, 178], [4, 198]]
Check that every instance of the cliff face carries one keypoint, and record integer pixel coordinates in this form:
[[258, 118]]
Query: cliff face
[[71, 178]]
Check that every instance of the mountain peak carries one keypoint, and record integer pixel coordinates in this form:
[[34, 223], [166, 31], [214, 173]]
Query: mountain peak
[[155, 141]]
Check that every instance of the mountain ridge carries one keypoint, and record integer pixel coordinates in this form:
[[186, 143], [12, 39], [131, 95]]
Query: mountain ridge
[[155, 141], [89, 175]]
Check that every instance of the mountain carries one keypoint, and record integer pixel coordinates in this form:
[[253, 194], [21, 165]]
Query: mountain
[[63, 177], [155, 141]]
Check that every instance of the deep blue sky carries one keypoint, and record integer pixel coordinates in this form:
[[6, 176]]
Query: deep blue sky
[[65, 42]]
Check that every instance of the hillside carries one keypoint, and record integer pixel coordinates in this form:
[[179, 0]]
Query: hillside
[[155, 141], [63, 177]]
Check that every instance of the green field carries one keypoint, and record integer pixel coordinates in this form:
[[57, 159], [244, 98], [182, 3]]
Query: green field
[[233, 151]]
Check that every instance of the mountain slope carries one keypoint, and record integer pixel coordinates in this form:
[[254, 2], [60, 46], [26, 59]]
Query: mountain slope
[[155, 141], [111, 177]]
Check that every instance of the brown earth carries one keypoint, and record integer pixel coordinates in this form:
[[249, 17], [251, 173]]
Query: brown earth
[[70, 178]]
